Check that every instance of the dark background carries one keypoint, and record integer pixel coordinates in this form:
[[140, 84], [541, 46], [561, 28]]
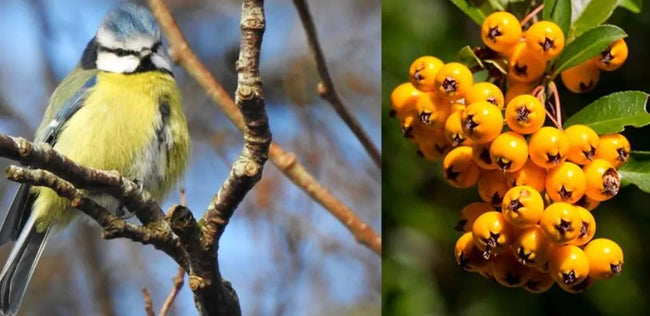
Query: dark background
[[420, 275]]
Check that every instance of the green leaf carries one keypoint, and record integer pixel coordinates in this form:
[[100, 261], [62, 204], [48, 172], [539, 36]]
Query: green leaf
[[633, 5], [586, 46], [467, 57], [558, 11], [474, 11], [637, 170], [500, 66], [588, 14], [611, 113]]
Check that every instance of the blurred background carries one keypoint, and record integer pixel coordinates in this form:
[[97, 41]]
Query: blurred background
[[420, 275], [283, 253]]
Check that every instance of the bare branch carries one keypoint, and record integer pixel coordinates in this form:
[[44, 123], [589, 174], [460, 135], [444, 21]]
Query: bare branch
[[114, 227], [178, 284], [326, 87], [284, 160], [42, 156], [148, 305]]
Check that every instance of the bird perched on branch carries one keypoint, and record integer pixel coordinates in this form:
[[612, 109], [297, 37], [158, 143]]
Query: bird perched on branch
[[119, 109]]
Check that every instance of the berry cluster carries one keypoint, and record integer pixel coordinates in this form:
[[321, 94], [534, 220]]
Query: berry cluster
[[538, 183]]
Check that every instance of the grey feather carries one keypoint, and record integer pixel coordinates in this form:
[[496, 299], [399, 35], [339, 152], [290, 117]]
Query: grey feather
[[20, 266], [21, 206]]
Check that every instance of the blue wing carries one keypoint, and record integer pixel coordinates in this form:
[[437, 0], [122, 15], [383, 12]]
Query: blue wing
[[69, 108], [21, 206]]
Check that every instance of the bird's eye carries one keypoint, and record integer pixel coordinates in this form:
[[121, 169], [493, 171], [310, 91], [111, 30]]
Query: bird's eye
[[155, 47], [120, 52]]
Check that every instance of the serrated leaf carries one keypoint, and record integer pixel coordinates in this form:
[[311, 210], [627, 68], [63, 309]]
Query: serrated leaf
[[558, 11], [637, 170], [633, 5], [586, 46], [612, 113], [474, 11], [589, 14], [466, 56]]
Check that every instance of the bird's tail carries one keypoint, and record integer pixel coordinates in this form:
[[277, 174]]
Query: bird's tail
[[15, 218], [20, 266]]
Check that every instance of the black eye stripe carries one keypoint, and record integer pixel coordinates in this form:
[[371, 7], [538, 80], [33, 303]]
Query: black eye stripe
[[118, 51], [156, 46], [125, 52]]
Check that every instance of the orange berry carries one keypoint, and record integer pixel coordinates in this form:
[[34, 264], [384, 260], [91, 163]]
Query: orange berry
[[531, 175], [402, 100], [508, 271], [605, 258], [500, 31], [481, 155], [454, 131], [467, 255], [481, 121], [509, 151], [603, 181], [492, 186], [613, 57], [583, 144], [432, 111], [525, 114], [614, 148], [561, 222], [422, 72], [588, 228], [459, 168], [548, 147], [568, 265], [453, 80], [492, 233], [523, 66], [538, 282], [581, 78], [566, 183], [470, 213], [522, 206], [485, 91], [545, 40], [531, 248]]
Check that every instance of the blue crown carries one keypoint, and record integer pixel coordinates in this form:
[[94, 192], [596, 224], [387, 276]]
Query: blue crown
[[130, 20]]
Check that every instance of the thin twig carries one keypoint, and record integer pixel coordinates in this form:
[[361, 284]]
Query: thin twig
[[148, 305], [284, 160], [326, 87], [178, 284], [532, 14], [558, 107]]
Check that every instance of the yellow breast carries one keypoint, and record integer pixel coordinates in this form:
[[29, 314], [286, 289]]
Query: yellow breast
[[129, 123]]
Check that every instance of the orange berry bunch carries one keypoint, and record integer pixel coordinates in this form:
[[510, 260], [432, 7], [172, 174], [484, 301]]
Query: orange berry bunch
[[538, 184], [583, 77]]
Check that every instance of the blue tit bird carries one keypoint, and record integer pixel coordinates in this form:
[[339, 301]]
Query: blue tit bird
[[119, 109]]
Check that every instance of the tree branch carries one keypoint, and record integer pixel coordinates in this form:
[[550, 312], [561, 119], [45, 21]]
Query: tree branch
[[148, 305], [42, 156], [114, 227], [178, 284], [326, 87], [285, 161]]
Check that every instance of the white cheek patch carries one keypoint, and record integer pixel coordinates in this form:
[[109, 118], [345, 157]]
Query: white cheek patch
[[161, 61], [110, 62]]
